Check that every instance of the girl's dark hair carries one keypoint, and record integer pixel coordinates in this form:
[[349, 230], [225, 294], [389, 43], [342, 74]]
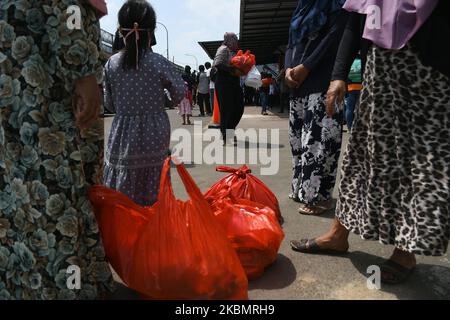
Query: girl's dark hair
[[118, 42], [142, 13]]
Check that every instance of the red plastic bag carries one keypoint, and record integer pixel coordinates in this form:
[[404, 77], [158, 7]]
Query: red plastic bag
[[173, 250], [244, 61], [253, 231], [267, 82], [244, 185]]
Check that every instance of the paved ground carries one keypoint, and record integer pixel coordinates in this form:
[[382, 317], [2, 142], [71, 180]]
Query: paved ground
[[298, 276]]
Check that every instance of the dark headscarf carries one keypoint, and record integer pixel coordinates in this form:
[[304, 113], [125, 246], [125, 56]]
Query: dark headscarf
[[231, 40], [310, 17]]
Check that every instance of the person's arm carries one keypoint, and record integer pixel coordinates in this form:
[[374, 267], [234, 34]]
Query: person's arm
[[288, 58], [79, 55], [77, 58], [349, 47], [348, 50], [329, 44], [172, 81], [221, 61]]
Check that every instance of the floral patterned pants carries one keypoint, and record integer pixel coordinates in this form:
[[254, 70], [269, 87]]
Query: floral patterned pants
[[316, 142]]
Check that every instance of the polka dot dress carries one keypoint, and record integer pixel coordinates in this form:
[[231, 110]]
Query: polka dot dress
[[140, 134]]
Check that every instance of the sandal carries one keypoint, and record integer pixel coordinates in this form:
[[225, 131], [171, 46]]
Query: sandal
[[396, 273], [311, 247], [317, 210]]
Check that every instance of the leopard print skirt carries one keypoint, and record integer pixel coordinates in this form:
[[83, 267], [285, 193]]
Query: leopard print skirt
[[395, 185]]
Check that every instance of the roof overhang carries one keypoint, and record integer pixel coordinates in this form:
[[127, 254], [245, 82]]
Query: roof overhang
[[264, 29]]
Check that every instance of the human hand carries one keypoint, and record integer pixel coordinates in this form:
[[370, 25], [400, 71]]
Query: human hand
[[86, 101], [335, 95], [289, 79], [299, 74]]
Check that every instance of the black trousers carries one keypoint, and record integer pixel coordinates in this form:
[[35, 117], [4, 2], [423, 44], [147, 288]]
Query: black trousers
[[231, 104], [204, 103]]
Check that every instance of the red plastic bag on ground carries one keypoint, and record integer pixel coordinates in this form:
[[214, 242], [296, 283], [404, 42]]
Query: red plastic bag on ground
[[244, 61], [173, 250], [253, 231], [244, 185]]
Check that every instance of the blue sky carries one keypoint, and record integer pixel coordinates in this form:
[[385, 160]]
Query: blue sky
[[188, 22]]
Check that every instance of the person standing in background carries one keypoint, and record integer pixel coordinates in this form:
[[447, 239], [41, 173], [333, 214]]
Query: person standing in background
[[211, 87], [264, 91], [203, 92], [249, 94], [315, 33], [354, 87], [187, 77], [51, 151], [194, 77], [228, 86], [273, 94]]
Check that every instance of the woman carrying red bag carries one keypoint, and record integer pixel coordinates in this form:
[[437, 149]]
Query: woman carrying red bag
[[228, 86]]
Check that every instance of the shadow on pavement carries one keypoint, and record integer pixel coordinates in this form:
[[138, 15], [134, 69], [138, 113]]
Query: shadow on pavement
[[429, 282], [279, 275]]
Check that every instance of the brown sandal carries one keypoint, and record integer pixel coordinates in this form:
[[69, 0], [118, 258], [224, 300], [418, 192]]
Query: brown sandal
[[317, 210], [311, 247]]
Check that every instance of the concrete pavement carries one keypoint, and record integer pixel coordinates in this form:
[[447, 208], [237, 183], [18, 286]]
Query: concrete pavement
[[298, 276]]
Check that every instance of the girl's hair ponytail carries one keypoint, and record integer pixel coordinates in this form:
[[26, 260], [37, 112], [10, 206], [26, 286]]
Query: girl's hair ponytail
[[137, 21]]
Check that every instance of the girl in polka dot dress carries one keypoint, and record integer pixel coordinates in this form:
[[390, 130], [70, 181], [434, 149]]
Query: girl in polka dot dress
[[135, 79]]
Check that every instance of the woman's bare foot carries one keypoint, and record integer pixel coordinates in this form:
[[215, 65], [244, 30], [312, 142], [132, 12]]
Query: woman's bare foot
[[403, 258], [398, 268], [334, 240]]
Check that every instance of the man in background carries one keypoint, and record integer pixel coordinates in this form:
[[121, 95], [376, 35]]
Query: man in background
[[211, 86], [203, 92]]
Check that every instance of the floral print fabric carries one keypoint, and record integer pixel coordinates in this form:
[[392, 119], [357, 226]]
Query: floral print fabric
[[316, 143], [46, 165]]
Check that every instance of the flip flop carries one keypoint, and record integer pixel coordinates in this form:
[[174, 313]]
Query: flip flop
[[316, 210], [397, 273], [311, 247]]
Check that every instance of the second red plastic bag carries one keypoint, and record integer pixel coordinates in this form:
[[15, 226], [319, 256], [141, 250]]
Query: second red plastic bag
[[253, 230], [244, 185], [174, 250]]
